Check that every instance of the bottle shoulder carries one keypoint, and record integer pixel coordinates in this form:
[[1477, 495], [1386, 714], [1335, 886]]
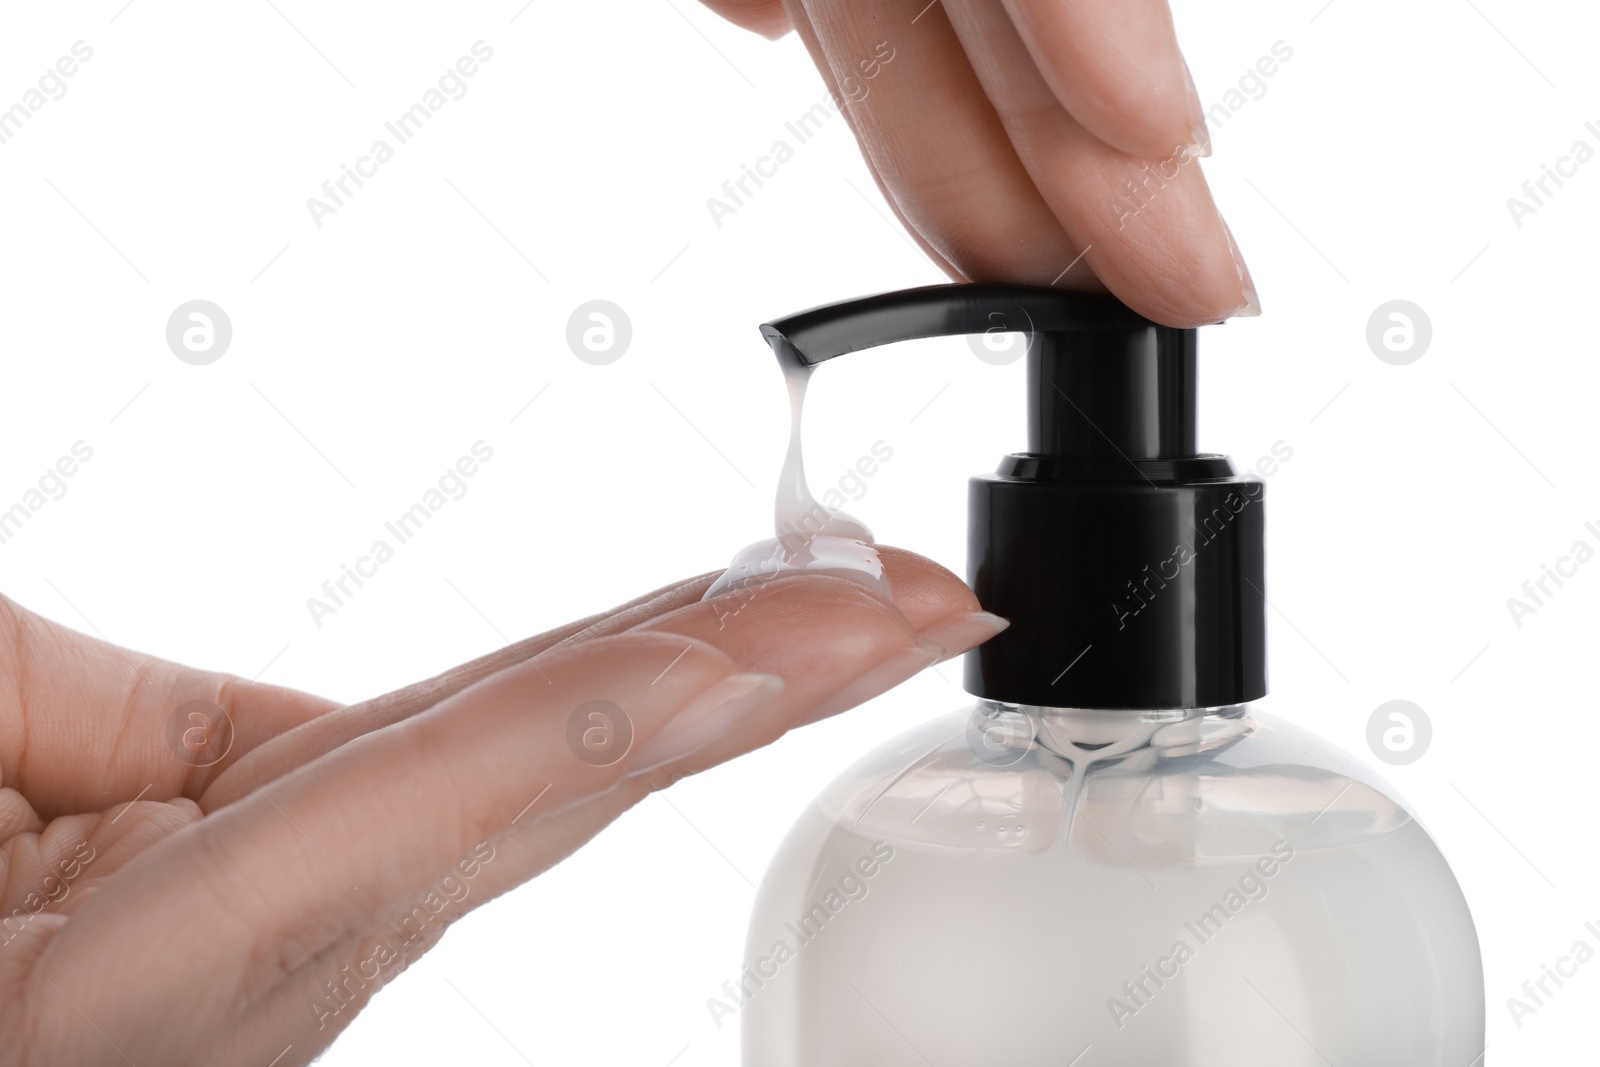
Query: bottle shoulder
[[1202, 788]]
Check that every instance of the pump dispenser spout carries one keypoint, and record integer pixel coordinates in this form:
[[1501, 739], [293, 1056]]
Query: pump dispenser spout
[[1130, 564]]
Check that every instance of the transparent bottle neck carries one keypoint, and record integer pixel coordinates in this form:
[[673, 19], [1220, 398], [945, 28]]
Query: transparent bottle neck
[[1074, 733]]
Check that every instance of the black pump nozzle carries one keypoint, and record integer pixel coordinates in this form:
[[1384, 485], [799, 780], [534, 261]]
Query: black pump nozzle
[[1130, 565]]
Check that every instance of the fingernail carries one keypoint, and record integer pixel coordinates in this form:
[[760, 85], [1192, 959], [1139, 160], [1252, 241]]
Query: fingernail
[[1247, 286], [962, 632], [898, 667], [704, 719], [1199, 133], [940, 641]]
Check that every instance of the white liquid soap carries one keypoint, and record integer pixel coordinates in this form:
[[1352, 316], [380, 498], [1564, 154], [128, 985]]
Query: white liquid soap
[[809, 537], [1250, 897]]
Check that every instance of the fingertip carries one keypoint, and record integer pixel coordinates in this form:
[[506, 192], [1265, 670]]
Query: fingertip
[[924, 590], [769, 18], [1163, 249]]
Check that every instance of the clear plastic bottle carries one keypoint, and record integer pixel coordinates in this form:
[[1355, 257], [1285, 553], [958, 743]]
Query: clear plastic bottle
[[1029, 884], [1037, 887]]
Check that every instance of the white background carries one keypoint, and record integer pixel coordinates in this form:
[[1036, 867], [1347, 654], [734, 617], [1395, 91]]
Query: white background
[[429, 312]]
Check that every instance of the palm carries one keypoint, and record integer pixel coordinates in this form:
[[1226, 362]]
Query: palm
[[102, 762]]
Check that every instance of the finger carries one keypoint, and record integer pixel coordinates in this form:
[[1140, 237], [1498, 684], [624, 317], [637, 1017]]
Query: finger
[[766, 17], [808, 36], [1115, 65], [330, 731], [937, 605], [257, 887], [54, 868], [362, 963], [932, 607], [923, 590], [95, 725], [924, 125], [333, 846], [1151, 229], [928, 621]]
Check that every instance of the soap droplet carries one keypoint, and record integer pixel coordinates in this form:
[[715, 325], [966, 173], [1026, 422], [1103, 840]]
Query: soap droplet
[[841, 557], [811, 538]]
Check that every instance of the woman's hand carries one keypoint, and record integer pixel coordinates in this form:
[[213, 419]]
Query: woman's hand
[[180, 887], [1018, 138]]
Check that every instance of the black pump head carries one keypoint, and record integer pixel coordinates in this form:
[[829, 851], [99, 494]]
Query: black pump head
[[1130, 565]]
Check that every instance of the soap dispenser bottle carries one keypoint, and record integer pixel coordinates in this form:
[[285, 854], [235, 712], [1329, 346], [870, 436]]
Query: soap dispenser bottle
[[1112, 858]]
